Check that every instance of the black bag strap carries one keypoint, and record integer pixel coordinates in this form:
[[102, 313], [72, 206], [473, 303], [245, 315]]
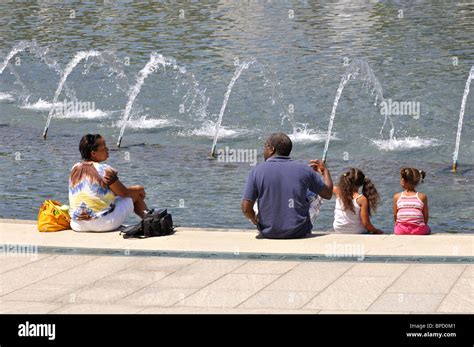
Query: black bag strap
[[132, 230]]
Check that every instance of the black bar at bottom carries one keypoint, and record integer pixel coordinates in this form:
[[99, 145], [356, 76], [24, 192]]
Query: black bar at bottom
[[316, 330]]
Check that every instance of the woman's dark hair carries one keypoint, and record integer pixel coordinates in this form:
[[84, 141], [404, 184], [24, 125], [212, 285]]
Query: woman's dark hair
[[352, 179], [412, 176], [88, 144]]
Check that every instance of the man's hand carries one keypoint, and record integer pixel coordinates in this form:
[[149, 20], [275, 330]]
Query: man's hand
[[254, 221], [247, 210], [318, 166]]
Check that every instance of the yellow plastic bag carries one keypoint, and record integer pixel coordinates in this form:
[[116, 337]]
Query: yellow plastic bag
[[53, 216]]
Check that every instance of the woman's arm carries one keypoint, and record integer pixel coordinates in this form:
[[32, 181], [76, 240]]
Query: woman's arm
[[426, 214], [395, 208], [364, 215], [121, 190]]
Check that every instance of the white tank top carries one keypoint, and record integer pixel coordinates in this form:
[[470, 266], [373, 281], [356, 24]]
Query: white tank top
[[348, 222]]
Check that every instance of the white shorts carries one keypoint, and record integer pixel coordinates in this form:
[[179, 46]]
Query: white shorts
[[109, 222]]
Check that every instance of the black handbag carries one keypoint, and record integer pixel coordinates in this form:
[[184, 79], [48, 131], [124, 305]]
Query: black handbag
[[155, 223]]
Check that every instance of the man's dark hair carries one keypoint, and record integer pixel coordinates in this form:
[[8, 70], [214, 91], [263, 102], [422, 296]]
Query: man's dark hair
[[281, 142], [88, 144]]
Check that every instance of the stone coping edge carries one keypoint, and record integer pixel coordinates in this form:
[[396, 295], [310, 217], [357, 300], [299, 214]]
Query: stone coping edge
[[253, 256]]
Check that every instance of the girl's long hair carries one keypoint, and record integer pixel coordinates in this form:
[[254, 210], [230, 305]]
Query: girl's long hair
[[353, 179]]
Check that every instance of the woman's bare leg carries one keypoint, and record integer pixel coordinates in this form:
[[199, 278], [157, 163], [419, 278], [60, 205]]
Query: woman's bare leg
[[139, 206]]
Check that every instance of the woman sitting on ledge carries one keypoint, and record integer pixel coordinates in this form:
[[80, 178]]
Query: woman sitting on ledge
[[98, 201]]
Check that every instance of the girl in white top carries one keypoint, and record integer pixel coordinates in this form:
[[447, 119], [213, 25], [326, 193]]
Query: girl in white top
[[353, 210]]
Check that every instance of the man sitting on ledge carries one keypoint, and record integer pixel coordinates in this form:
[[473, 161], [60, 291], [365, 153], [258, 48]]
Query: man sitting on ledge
[[98, 201], [280, 185]]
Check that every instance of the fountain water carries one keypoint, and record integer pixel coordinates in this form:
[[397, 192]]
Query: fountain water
[[25, 92], [18, 48], [155, 60], [243, 66], [268, 78], [277, 97], [83, 55], [461, 117], [70, 66], [196, 98], [39, 52], [357, 68]]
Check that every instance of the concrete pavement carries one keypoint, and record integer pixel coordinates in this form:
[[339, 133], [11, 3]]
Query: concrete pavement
[[55, 281]]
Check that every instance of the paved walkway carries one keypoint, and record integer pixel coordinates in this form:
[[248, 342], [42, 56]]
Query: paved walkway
[[95, 283]]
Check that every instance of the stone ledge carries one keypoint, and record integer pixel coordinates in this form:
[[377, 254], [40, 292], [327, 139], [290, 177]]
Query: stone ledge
[[241, 243]]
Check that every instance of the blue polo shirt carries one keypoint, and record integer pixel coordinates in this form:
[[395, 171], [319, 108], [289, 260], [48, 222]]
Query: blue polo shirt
[[280, 185]]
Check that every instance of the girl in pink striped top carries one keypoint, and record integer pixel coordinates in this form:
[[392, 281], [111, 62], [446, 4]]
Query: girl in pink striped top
[[410, 208]]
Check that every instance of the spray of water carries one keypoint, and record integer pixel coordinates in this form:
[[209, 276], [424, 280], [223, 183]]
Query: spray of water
[[358, 68], [25, 92], [195, 97], [115, 67], [461, 117], [67, 71], [18, 48], [40, 53], [286, 113], [243, 66], [152, 65], [269, 78]]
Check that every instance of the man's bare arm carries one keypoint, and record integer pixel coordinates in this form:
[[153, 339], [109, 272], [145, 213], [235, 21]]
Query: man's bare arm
[[247, 210]]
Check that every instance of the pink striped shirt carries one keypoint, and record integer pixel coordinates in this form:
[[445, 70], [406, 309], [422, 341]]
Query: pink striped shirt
[[410, 210]]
